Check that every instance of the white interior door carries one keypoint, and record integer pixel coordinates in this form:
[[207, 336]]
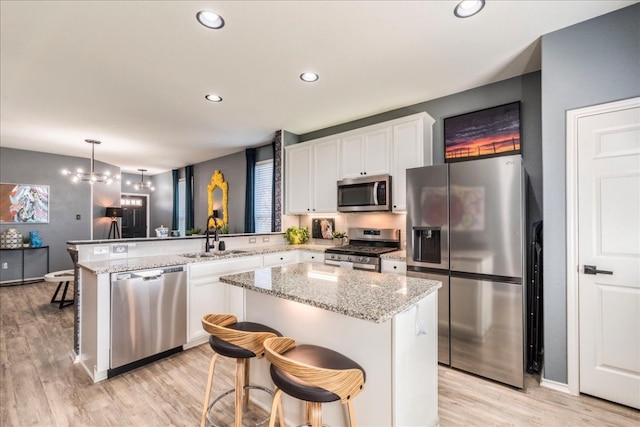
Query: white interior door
[[609, 241]]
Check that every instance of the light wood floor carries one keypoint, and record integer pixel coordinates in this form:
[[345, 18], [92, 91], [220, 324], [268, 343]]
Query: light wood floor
[[41, 386]]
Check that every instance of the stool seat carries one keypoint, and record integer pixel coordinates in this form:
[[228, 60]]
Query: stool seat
[[225, 348], [313, 374], [60, 277], [316, 356], [241, 341]]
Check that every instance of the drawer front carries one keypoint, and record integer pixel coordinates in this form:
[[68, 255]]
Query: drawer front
[[314, 257], [393, 267], [280, 258], [228, 266]]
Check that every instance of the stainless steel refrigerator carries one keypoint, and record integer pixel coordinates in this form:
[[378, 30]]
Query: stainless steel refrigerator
[[465, 227]]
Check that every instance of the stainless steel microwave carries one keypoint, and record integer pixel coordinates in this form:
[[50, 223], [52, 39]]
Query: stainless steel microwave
[[366, 194]]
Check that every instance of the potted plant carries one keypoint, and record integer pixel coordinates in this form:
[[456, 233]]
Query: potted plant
[[25, 241], [193, 231], [296, 235], [339, 238]]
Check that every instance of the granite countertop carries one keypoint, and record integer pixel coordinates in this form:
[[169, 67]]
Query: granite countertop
[[366, 295], [396, 256], [158, 261]]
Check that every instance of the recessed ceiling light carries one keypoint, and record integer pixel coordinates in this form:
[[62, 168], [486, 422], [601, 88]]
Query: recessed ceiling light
[[213, 98], [309, 77], [210, 19], [467, 8]]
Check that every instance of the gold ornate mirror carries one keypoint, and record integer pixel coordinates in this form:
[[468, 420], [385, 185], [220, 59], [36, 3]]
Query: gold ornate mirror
[[217, 181]]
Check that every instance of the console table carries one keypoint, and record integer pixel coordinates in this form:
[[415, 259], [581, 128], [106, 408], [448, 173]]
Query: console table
[[25, 249]]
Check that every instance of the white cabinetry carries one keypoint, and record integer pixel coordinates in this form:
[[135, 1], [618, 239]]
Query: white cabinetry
[[208, 295], [366, 153], [312, 257], [311, 173], [280, 258], [411, 148], [393, 267]]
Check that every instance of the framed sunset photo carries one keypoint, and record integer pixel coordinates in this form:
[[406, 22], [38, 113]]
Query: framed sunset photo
[[490, 132]]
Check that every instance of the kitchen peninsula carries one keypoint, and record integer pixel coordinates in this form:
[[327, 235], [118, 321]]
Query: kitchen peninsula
[[387, 323]]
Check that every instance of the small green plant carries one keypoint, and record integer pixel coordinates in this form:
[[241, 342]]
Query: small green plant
[[224, 229], [193, 231], [297, 235], [338, 234]]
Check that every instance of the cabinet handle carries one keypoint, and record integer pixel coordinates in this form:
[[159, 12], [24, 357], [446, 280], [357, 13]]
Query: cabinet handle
[[395, 266], [281, 259], [364, 173]]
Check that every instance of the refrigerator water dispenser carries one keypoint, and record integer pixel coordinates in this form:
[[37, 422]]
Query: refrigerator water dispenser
[[426, 244]]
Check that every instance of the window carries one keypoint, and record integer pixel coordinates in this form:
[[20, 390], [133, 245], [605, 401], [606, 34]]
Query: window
[[262, 205], [181, 206]]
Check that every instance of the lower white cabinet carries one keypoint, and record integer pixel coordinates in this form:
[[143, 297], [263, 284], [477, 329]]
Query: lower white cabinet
[[280, 258], [312, 257], [393, 266], [208, 295]]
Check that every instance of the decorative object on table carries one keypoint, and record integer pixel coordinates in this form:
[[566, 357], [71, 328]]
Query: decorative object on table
[[91, 177], [35, 239], [339, 238], [162, 231], [10, 239], [217, 181], [20, 203], [193, 231], [26, 241], [142, 185], [114, 213], [175, 233], [322, 228], [296, 235], [490, 132]]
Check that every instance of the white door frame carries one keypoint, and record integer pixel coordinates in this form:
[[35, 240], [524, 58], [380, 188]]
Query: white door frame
[[573, 339]]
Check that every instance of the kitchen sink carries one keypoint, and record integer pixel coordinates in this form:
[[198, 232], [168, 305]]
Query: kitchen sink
[[213, 254]]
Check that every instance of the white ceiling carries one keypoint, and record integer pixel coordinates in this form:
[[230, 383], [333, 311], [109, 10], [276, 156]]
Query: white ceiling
[[134, 74]]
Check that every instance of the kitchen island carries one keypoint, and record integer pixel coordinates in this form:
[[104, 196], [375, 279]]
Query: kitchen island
[[386, 323]]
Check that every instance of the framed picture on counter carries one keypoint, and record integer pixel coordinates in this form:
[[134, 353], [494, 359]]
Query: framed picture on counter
[[24, 203], [490, 132], [322, 228]]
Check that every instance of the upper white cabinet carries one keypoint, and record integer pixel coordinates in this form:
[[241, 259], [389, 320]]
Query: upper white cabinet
[[411, 148], [311, 173], [366, 153], [312, 168]]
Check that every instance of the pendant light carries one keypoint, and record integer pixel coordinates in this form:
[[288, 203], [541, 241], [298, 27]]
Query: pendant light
[[91, 177], [143, 185]]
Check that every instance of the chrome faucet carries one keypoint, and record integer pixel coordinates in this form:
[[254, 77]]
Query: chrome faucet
[[207, 244]]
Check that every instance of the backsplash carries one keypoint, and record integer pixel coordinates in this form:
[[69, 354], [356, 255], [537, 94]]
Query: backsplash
[[350, 220]]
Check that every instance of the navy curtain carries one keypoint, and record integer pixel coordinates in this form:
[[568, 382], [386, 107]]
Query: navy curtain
[[175, 219], [249, 213], [188, 195]]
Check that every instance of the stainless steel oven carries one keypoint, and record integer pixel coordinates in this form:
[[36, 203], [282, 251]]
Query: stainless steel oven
[[367, 194], [366, 246]]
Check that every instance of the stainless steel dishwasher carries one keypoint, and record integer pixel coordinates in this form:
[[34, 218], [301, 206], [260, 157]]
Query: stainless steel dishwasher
[[148, 316]]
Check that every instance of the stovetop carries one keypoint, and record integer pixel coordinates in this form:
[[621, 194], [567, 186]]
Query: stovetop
[[361, 250]]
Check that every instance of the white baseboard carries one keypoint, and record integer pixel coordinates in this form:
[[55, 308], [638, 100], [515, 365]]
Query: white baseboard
[[554, 385]]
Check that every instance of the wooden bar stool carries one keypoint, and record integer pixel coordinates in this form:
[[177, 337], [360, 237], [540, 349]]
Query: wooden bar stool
[[313, 374], [60, 277], [241, 341]]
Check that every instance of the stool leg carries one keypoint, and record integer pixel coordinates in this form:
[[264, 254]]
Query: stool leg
[[55, 294], [63, 300], [352, 415], [315, 413], [276, 409], [247, 372], [239, 390], [207, 394]]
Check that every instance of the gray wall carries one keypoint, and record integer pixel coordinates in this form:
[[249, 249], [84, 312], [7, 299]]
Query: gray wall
[[66, 200], [234, 169], [593, 62]]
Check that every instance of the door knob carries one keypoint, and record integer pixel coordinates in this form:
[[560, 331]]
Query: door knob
[[592, 269]]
